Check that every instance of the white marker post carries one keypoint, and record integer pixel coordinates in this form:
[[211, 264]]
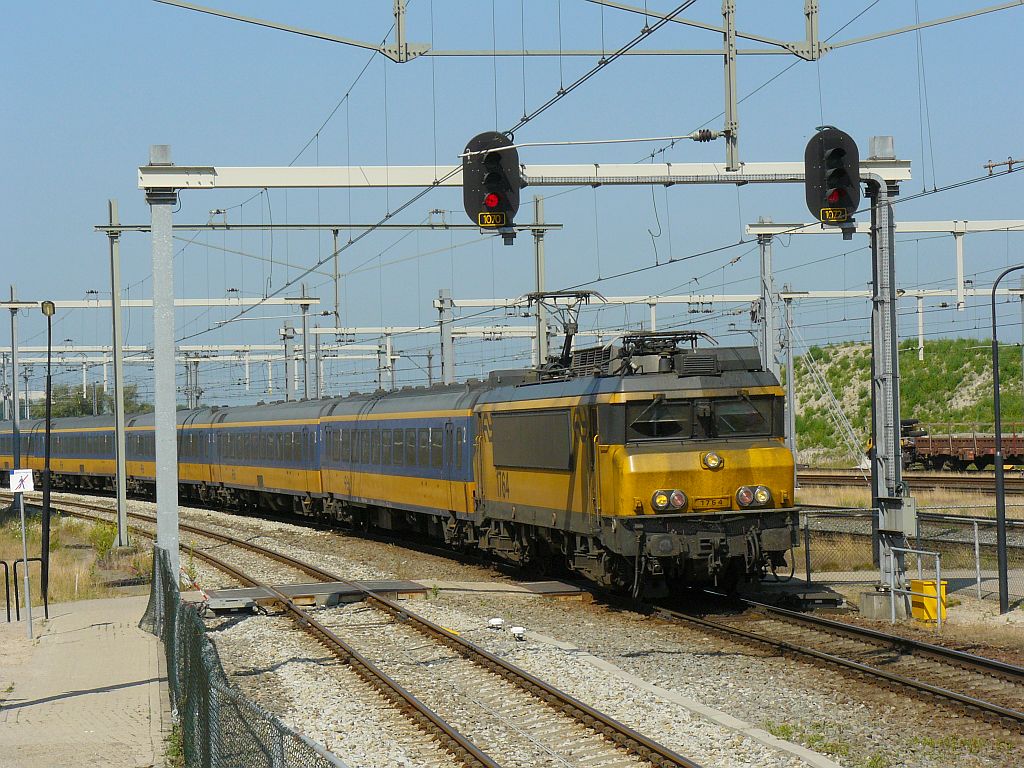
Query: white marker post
[[21, 481]]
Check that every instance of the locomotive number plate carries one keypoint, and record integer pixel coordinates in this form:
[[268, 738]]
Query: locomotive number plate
[[712, 502]]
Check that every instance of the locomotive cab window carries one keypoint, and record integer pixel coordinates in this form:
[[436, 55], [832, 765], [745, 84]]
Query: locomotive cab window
[[741, 416], [659, 419]]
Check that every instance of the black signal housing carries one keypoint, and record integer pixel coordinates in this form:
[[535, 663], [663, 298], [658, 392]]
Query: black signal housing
[[491, 180], [832, 176]]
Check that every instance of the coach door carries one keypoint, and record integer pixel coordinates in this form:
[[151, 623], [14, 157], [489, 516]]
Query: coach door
[[448, 472], [590, 437]]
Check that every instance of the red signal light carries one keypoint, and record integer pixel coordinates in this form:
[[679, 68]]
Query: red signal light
[[833, 196], [491, 200]]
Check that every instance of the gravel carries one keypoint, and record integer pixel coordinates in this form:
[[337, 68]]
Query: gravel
[[813, 706], [286, 672]]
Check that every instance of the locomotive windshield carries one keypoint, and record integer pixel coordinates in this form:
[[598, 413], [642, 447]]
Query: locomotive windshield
[[662, 418], [704, 418]]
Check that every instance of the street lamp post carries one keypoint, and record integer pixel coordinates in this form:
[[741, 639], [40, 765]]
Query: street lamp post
[[48, 308], [1004, 592]]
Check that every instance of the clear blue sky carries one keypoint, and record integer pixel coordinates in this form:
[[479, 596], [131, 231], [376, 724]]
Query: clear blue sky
[[89, 86]]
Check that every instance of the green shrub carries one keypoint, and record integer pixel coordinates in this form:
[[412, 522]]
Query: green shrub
[[102, 537]]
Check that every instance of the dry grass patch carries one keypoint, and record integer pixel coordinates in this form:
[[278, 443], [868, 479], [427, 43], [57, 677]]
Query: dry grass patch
[[82, 557], [953, 503]]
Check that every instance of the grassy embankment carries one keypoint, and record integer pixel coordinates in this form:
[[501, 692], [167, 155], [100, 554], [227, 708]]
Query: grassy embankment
[[83, 560], [949, 391]]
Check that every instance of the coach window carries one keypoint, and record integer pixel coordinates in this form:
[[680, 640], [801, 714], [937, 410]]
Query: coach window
[[385, 447], [398, 446], [449, 449], [346, 445], [410, 447], [423, 454], [460, 435], [436, 447], [365, 445], [375, 446]]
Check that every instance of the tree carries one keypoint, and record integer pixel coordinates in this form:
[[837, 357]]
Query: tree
[[68, 401]]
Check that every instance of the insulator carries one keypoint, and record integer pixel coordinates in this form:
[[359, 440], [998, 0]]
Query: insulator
[[704, 134]]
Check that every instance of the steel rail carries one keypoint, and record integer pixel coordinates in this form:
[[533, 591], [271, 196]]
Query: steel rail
[[630, 740], [603, 725], [421, 715], [994, 667], [985, 707]]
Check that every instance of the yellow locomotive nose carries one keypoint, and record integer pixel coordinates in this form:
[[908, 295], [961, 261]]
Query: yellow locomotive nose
[[665, 482]]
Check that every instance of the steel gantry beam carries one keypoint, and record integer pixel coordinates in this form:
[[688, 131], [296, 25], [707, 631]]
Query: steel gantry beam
[[178, 303], [955, 227], [177, 177]]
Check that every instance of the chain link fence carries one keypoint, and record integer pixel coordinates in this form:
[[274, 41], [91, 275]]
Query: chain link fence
[[219, 726], [836, 547]]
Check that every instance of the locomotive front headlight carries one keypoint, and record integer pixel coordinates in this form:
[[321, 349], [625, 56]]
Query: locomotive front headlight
[[745, 496], [762, 495], [660, 501], [712, 460], [677, 499]]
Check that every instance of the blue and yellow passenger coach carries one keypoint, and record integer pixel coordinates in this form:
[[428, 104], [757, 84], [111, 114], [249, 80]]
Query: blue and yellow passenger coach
[[642, 466]]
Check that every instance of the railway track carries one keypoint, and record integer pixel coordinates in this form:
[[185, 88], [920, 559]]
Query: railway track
[[976, 684], [564, 728], [979, 482]]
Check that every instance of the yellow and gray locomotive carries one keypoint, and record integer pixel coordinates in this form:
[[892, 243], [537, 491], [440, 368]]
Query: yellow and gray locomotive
[[644, 465]]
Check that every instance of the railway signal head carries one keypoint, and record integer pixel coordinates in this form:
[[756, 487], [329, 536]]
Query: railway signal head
[[832, 176], [491, 180]]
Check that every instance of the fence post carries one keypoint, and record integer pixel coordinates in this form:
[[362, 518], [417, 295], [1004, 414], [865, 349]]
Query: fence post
[[279, 761], [890, 572], [938, 589], [977, 559], [917, 545], [807, 546]]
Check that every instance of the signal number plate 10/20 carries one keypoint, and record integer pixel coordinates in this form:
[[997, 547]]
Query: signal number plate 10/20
[[831, 215], [491, 219]]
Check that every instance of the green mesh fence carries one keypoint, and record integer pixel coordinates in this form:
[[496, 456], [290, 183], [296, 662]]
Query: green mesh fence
[[219, 726], [837, 545]]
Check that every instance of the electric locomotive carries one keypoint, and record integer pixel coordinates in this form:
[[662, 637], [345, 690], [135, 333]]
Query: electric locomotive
[[644, 465]]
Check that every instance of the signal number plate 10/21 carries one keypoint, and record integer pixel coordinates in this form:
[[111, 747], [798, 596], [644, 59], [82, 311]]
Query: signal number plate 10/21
[[711, 502], [831, 215], [491, 219]]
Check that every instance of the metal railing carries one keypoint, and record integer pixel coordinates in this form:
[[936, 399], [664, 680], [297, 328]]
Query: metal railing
[[7, 588], [895, 589]]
